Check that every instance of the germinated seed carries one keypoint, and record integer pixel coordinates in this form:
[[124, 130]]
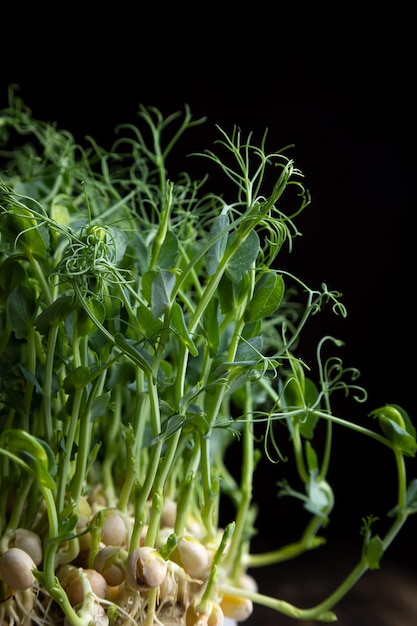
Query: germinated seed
[[16, 569]]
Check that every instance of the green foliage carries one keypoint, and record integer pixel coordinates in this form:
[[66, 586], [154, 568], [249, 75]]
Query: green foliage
[[145, 326]]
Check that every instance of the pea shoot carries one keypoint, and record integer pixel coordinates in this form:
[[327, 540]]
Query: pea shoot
[[146, 325]]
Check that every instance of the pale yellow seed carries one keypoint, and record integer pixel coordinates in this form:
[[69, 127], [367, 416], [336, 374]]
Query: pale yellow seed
[[30, 542], [113, 531], [16, 569], [236, 607], [145, 569], [109, 563], [194, 557], [75, 589]]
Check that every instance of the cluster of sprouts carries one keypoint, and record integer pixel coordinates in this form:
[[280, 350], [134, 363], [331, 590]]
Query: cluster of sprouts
[[146, 325]]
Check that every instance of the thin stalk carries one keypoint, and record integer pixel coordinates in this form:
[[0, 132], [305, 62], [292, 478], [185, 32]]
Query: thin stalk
[[142, 497], [246, 486], [134, 441], [40, 276], [158, 489], [186, 491], [214, 281], [65, 458], [19, 504], [29, 386], [49, 421], [308, 541], [329, 427], [298, 453], [112, 447], [85, 426], [163, 225]]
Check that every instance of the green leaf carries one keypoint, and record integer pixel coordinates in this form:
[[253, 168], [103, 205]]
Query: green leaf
[[117, 241], [90, 310], [40, 472], [146, 283], [412, 495], [162, 286], [30, 378], [20, 440], [140, 252], [168, 548], [148, 325], [25, 232], [249, 351], [411, 499], [12, 274], [135, 352], [77, 378], [218, 247], [169, 426], [267, 296], [243, 257], [54, 314], [311, 458], [397, 427], [169, 251], [374, 550], [320, 499], [211, 325], [252, 329], [33, 452], [99, 405], [21, 309], [226, 295], [179, 325]]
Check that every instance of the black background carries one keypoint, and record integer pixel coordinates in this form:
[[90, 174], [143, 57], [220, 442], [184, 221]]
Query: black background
[[340, 87]]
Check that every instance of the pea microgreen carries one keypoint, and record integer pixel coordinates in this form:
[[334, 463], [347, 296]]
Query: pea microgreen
[[149, 323]]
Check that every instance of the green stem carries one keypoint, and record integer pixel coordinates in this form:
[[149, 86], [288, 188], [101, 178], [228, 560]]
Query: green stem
[[186, 491], [329, 429], [112, 447], [16, 515], [134, 440], [322, 611], [142, 497], [210, 490], [280, 606], [40, 276], [51, 583], [246, 485], [289, 551], [49, 422], [163, 226], [158, 489], [29, 386], [65, 458], [85, 426], [298, 453]]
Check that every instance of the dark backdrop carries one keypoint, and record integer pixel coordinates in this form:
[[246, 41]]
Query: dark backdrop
[[338, 87]]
